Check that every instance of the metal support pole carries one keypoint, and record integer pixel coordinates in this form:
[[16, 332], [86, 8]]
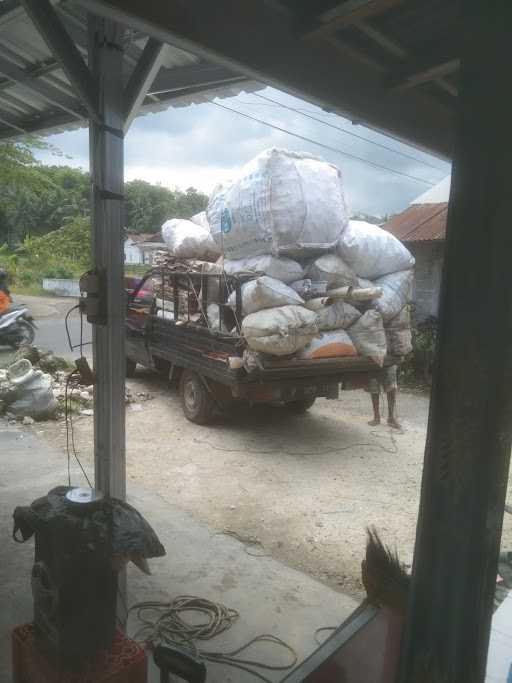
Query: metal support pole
[[469, 433], [106, 155]]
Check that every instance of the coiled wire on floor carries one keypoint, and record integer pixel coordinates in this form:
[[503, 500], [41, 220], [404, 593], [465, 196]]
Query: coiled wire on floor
[[187, 619]]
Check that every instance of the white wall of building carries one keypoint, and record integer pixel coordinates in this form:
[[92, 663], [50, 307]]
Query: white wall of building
[[132, 252]]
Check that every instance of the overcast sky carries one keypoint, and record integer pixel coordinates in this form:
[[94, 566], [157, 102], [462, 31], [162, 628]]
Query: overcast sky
[[202, 144]]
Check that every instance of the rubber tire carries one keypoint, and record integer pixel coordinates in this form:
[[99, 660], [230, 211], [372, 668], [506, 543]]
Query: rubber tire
[[196, 401], [29, 332], [301, 406], [131, 365]]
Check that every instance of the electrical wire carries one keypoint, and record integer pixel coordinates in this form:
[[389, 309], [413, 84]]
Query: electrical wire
[[81, 332], [320, 630], [324, 146], [70, 435], [166, 623], [308, 115], [66, 323]]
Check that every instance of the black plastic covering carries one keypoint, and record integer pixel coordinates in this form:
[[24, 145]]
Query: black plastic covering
[[79, 548]]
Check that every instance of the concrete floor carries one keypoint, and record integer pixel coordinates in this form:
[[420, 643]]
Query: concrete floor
[[270, 597]]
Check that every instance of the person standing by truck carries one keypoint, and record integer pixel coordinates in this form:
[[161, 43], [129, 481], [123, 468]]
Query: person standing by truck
[[384, 382]]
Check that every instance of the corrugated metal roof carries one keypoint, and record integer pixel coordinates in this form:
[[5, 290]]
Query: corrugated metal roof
[[419, 223], [183, 79]]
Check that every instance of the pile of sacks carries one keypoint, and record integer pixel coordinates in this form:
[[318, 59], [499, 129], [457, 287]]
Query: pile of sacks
[[322, 285]]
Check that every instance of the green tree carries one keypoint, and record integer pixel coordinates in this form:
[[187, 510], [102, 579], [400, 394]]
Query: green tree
[[147, 206], [23, 181]]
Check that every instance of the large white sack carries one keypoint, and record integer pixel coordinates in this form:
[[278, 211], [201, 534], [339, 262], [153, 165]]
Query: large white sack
[[396, 293], [336, 316], [265, 292], [34, 397], [284, 269], [281, 203], [185, 239], [399, 342], [332, 269], [333, 344], [398, 333], [280, 331], [368, 336], [372, 251], [200, 219]]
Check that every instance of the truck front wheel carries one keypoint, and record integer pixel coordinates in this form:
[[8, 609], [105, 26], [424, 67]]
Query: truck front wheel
[[300, 406], [196, 401]]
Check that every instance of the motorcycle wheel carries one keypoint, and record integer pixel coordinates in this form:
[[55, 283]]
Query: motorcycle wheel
[[25, 334]]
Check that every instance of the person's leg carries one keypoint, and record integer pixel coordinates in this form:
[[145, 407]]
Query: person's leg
[[390, 386], [392, 421], [376, 410]]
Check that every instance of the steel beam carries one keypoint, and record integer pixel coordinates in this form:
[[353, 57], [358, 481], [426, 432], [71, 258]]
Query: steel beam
[[12, 123], [141, 79], [193, 76], [44, 90], [253, 39], [469, 435], [49, 25], [106, 154]]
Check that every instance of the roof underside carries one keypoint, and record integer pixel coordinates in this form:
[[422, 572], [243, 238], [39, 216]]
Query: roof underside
[[391, 64], [37, 97], [419, 223]]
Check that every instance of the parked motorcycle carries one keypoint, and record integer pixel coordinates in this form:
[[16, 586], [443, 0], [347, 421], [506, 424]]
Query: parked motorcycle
[[17, 327]]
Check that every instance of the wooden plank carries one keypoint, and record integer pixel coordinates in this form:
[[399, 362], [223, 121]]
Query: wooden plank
[[470, 424], [397, 50], [417, 72], [347, 13]]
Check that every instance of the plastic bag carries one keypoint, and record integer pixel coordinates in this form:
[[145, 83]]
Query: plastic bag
[[280, 331], [372, 251], [368, 336], [265, 292], [332, 269], [339, 315], [333, 344], [281, 203], [32, 395], [185, 239], [201, 219], [396, 293], [284, 269], [399, 342]]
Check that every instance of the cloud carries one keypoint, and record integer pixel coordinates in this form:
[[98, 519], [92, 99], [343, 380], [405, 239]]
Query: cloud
[[201, 145]]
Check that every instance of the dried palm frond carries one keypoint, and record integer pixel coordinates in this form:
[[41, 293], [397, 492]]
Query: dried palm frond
[[384, 576]]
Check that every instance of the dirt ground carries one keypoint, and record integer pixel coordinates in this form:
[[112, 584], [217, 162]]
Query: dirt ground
[[304, 486]]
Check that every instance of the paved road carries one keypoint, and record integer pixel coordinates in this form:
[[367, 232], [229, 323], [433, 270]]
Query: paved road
[[49, 314], [51, 336]]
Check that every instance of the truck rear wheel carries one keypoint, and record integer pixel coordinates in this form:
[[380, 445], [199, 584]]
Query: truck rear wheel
[[302, 405], [196, 401]]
